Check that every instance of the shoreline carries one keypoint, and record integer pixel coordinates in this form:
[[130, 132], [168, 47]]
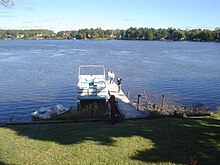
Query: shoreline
[[107, 39], [155, 111]]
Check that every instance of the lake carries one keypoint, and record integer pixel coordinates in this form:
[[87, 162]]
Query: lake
[[44, 72]]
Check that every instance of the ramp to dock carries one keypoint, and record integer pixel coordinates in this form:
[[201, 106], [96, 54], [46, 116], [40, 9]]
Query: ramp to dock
[[125, 106]]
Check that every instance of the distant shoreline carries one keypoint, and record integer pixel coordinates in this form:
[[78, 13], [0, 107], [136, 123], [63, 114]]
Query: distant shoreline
[[105, 40], [148, 34]]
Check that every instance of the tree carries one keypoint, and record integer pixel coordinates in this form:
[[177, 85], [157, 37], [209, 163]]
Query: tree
[[148, 34], [178, 35], [162, 34], [206, 35], [216, 35], [131, 33], [122, 35], [141, 33], [170, 33]]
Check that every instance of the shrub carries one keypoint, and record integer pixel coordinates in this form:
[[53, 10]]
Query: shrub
[[217, 113]]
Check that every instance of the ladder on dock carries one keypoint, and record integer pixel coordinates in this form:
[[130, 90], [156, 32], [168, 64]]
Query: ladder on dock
[[124, 104]]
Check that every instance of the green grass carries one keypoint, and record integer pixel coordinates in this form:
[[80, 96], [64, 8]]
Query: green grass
[[156, 141]]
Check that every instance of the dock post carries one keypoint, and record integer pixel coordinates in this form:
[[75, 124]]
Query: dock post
[[138, 101], [129, 94], [113, 108], [145, 95], [163, 103]]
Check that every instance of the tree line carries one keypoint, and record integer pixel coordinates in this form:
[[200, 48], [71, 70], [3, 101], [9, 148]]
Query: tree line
[[131, 33], [27, 34]]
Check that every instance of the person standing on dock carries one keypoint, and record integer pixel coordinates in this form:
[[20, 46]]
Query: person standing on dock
[[109, 75], [119, 80], [112, 77]]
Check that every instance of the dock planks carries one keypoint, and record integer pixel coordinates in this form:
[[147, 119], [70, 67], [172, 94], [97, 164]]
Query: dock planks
[[125, 106]]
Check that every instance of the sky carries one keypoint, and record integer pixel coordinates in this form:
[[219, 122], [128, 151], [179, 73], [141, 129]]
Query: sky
[[58, 15]]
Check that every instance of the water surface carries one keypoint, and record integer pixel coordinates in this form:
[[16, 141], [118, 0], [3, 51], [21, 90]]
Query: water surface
[[44, 72]]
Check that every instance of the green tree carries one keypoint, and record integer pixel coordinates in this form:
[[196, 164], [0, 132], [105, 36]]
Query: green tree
[[178, 35], [216, 34], [148, 34], [162, 34], [206, 35]]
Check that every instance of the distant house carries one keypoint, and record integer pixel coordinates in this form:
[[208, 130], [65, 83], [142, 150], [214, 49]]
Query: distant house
[[39, 35], [20, 36]]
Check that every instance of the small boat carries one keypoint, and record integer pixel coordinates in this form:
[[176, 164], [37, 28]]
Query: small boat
[[92, 83], [49, 112]]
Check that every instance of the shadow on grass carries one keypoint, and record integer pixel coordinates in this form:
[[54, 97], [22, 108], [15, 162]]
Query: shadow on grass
[[2, 163], [175, 140], [184, 140]]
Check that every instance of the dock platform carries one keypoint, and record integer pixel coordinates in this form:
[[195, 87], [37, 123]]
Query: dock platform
[[125, 106]]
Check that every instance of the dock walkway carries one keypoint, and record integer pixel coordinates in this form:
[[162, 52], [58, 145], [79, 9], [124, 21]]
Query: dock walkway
[[125, 106]]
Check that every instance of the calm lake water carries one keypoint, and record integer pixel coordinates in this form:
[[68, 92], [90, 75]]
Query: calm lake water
[[44, 73]]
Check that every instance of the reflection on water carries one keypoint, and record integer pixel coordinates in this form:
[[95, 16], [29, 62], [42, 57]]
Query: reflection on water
[[44, 73]]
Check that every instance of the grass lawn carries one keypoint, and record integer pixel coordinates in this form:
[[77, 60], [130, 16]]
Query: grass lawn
[[155, 141]]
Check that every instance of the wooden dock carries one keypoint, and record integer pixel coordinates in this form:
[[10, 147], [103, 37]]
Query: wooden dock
[[125, 106]]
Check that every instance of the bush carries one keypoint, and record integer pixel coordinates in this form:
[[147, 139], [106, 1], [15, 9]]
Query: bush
[[198, 110], [217, 113]]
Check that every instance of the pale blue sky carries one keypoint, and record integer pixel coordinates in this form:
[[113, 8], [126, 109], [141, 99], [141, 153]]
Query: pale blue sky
[[59, 15]]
